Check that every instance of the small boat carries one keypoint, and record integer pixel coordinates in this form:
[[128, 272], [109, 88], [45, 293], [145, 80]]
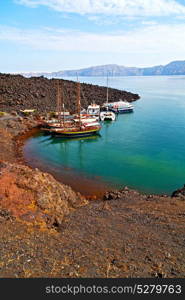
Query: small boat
[[120, 107], [94, 110], [107, 115], [27, 112]]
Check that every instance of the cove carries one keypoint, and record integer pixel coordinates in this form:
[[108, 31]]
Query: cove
[[144, 150]]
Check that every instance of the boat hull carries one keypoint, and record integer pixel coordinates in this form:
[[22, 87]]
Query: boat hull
[[107, 116], [69, 134], [122, 111], [104, 118]]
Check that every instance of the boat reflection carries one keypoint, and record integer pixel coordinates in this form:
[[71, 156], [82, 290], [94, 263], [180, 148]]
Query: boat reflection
[[56, 140], [63, 148], [87, 139]]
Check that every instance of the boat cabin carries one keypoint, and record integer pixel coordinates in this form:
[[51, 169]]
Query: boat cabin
[[93, 110]]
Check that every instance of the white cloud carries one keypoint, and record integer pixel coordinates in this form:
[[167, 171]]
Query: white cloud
[[149, 23], [112, 7], [154, 39]]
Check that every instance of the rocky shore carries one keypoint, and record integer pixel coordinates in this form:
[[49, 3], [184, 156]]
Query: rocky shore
[[48, 230], [39, 93]]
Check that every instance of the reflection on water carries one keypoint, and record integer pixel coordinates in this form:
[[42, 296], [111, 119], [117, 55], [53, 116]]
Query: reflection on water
[[63, 140], [64, 172], [63, 145]]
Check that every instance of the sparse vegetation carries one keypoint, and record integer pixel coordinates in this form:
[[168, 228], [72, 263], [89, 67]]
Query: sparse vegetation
[[2, 113]]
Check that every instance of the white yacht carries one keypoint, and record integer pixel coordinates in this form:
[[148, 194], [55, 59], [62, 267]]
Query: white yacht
[[119, 107], [93, 110]]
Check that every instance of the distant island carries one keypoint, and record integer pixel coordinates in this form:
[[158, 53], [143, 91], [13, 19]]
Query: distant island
[[173, 68]]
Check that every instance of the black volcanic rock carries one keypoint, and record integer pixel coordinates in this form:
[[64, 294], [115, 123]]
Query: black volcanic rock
[[18, 92], [179, 193]]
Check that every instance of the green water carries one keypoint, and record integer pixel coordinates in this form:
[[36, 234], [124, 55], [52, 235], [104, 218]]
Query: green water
[[144, 150]]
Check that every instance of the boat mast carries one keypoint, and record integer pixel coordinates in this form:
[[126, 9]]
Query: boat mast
[[62, 105], [107, 91], [78, 101], [58, 102], [63, 111]]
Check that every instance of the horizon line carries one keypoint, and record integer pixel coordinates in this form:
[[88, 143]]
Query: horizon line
[[81, 68]]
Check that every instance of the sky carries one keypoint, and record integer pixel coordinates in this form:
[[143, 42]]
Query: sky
[[53, 35]]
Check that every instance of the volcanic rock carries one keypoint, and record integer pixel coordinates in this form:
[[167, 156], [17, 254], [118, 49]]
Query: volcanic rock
[[179, 193], [39, 93], [24, 190]]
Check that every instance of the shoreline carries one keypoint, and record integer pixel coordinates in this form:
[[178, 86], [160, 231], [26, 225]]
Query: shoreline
[[19, 140], [20, 143], [14, 151], [126, 234], [96, 190]]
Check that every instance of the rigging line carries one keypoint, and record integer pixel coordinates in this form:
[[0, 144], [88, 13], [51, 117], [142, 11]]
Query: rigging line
[[66, 94], [83, 96]]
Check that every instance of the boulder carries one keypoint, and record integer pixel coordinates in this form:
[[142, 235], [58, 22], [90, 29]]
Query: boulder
[[179, 193]]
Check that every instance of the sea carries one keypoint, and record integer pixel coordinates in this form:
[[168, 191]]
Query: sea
[[143, 150]]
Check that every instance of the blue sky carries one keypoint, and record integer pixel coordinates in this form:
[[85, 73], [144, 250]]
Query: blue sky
[[52, 35]]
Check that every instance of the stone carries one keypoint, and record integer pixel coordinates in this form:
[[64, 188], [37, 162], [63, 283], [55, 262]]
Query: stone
[[179, 193]]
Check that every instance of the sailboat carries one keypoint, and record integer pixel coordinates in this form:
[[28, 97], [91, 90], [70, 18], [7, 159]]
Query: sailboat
[[62, 118], [76, 128], [107, 115]]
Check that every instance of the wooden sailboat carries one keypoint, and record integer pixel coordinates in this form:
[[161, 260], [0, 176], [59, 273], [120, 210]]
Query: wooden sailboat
[[78, 128], [60, 120]]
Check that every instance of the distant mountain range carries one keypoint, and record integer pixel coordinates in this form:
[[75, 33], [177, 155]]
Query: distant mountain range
[[173, 68]]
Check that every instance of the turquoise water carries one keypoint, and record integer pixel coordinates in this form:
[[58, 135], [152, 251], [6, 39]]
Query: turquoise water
[[144, 150]]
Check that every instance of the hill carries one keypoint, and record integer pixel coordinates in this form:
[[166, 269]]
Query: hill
[[18, 92], [173, 68]]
